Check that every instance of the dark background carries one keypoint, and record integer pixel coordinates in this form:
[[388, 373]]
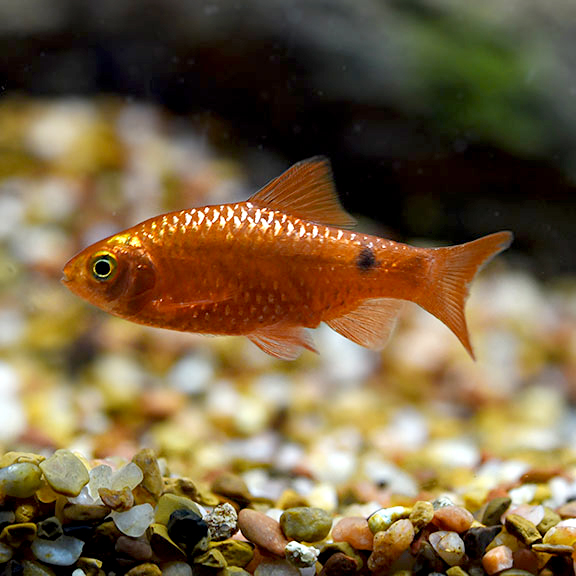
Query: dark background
[[444, 119]]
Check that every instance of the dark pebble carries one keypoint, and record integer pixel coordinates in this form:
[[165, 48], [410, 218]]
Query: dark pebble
[[12, 568], [339, 564], [136, 548], [427, 561], [186, 527], [494, 510], [50, 528], [476, 540]]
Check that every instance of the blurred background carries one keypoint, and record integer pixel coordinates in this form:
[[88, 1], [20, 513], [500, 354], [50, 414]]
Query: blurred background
[[444, 120]]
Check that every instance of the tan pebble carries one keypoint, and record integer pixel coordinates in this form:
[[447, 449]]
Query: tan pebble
[[290, 499], [233, 487], [339, 565], [421, 514], [390, 544], [355, 531], [522, 528], [65, 473], [146, 569], [16, 534], [17, 457], [84, 513], [152, 485], [384, 518], [33, 568], [556, 549], [453, 519], [497, 559], [168, 503], [262, 531], [118, 500]]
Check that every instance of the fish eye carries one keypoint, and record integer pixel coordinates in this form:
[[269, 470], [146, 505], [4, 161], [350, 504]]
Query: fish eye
[[104, 265]]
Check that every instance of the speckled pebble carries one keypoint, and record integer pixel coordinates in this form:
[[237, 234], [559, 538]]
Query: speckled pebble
[[384, 518], [421, 514], [453, 519], [355, 531], [497, 559], [65, 473], [448, 545], [262, 530], [301, 555], [306, 524], [222, 522], [20, 480], [63, 551], [523, 529], [390, 544]]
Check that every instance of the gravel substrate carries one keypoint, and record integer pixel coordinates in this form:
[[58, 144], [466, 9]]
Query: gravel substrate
[[140, 451]]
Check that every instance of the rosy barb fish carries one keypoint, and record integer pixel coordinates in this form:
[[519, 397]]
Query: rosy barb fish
[[273, 266]]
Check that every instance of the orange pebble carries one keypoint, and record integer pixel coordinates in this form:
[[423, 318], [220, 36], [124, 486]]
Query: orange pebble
[[355, 531], [453, 519], [497, 559]]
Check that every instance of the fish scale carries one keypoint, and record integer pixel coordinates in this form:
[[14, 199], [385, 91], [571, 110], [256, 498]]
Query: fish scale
[[274, 266]]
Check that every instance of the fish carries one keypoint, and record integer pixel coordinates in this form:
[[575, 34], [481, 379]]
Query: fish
[[275, 266]]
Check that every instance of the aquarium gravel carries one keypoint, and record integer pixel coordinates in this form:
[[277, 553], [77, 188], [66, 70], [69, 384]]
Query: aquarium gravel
[[128, 450]]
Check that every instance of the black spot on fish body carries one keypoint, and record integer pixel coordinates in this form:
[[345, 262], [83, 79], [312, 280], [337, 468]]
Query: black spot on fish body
[[366, 259]]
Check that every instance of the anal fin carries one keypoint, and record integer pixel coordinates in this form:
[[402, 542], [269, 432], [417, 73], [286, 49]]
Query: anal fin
[[284, 342], [370, 324]]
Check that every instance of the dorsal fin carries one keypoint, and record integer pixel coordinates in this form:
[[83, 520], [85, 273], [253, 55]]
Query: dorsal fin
[[306, 190]]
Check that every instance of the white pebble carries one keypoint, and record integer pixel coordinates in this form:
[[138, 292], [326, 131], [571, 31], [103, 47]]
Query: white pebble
[[134, 522], [192, 374], [176, 569], [78, 572], [129, 476], [276, 568], [63, 551], [5, 553], [448, 545]]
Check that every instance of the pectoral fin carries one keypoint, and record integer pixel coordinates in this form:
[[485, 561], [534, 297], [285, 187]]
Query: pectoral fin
[[283, 342], [370, 324]]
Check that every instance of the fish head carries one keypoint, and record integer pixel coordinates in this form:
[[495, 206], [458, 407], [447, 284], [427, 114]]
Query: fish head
[[117, 275]]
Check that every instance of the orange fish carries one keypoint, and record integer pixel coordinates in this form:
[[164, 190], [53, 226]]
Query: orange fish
[[273, 266]]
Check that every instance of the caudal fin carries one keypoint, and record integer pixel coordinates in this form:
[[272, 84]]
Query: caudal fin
[[454, 270]]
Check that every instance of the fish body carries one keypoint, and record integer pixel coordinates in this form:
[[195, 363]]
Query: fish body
[[272, 267]]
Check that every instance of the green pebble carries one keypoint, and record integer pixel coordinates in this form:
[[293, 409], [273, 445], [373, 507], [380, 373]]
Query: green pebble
[[456, 571], [494, 510], [421, 514], [522, 529], [235, 552], [20, 480], [65, 473], [306, 524], [549, 521]]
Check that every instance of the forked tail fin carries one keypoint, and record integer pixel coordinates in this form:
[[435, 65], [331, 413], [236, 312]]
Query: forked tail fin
[[451, 275]]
